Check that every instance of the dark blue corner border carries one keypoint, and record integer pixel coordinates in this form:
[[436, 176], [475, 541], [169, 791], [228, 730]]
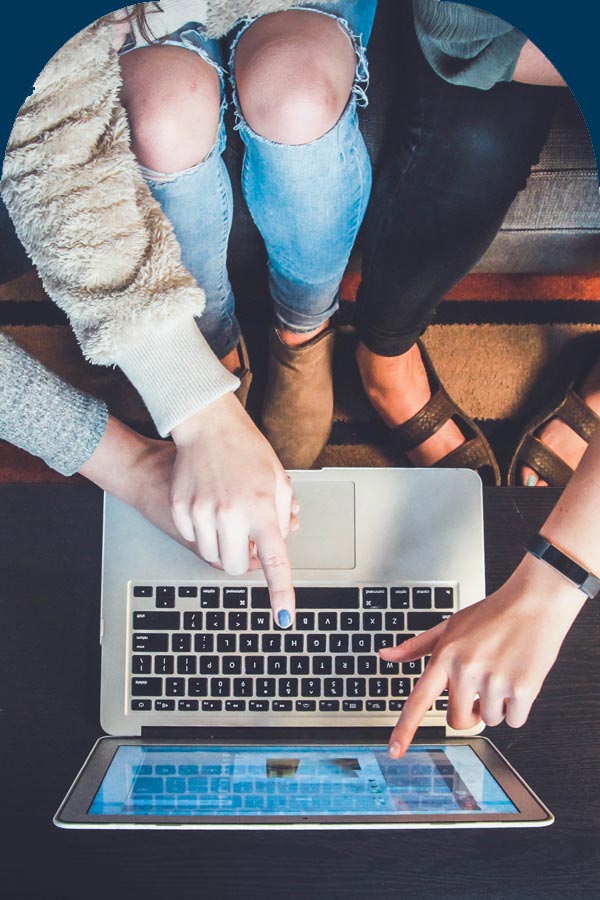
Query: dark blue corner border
[[566, 32]]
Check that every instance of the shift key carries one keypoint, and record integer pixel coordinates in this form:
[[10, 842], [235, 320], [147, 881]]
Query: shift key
[[421, 621], [146, 687], [156, 621]]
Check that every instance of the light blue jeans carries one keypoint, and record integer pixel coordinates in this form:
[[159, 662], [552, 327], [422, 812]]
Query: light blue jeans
[[307, 200]]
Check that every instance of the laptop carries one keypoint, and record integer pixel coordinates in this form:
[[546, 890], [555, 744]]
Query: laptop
[[217, 718]]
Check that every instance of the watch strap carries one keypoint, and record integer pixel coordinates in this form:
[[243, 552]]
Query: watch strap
[[542, 549]]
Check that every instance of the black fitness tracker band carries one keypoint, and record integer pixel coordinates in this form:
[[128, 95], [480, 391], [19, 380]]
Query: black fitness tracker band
[[542, 549]]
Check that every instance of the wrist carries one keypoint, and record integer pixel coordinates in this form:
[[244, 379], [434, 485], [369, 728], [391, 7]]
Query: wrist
[[207, 420], [542, 586], [113, 465]]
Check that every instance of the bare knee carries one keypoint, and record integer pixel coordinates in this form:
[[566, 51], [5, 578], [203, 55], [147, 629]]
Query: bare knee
[[172, 98], [294, 74]]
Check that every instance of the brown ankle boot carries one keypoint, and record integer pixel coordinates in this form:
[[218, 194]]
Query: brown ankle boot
[[298, 408]]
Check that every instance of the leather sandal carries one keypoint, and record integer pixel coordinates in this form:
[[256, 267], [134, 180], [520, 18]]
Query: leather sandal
[[244, 373], [565, 404], [475, 453]]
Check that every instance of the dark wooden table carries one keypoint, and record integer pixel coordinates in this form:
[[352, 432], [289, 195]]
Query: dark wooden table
[[49, 606]]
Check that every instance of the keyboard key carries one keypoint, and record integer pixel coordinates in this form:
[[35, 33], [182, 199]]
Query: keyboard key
[[443, 598], [265, 687], [282, 706], [344, 665], [422, 598], [204, 643], [378, 687], [421, 621], [366, 665], [305, 621], [306, 705], [142, 590], [376, 705], [361, 643], [310, 687], [271, 643], [220, 687], [396, 705], [235, 598], [327, 621], [339, 643], [212, 705], [400, 598], [400, 687], [387, 667], [259, 705], [414, 667], [181, 643], [352, 705], [208, 665], [226, 643], [372, 621], [156, 621], [192, 621], [141, 665], [277, 665], [374, 598], [288, 687], [441, 704], [235, 706], [163, 592], [316, 643], [254, 665], [164, 705], [260, 621], [349, 621], [333, 687], [356, 687], [248, 643], [215, 621], [187, 590], [146, 687], [175, 687], [322, 665], [242, 687], [165, 602], [152, 643], [187, 705], [198, 687], [141, 705], [394, 621], [164, 665], [237, 621], [329, 705], [299, 665], [186, 665], [209, 597], [313, 598], [293, 643], [383, 640]]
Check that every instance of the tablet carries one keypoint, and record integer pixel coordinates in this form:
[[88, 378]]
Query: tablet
[[141, 783]]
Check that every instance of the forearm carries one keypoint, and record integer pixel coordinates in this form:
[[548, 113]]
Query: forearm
[[534, 68]]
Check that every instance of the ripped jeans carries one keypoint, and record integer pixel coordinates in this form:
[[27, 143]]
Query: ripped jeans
[[307, 200]]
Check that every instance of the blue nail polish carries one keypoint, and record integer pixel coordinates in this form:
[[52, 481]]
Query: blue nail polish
[[531, 481], [284, 620]]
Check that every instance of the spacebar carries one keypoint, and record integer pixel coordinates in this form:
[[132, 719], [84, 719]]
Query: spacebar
[[313, 598]]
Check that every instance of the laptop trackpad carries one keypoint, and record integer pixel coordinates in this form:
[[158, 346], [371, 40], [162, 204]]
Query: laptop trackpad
[[326, 537]]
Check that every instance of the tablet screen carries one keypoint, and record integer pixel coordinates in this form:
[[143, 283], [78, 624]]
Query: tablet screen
[[297, 781]]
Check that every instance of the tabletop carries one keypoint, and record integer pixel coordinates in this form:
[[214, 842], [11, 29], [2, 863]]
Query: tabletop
[[50, 540]]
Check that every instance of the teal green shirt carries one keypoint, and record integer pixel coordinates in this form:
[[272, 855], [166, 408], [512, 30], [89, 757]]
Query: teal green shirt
[[465, 45]]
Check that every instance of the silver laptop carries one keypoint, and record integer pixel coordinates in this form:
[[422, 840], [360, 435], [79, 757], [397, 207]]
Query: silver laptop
[[188, 651]]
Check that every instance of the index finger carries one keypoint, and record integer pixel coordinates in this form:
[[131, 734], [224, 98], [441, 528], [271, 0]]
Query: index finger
[[272, 553], [429, 686]]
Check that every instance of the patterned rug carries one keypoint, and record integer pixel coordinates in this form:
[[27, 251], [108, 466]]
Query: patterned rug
[[493, 341]]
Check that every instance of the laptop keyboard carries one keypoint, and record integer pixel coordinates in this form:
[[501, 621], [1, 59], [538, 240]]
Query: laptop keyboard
[[202, 648]]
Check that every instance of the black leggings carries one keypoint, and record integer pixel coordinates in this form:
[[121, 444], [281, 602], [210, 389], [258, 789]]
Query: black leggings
[[454, 160]]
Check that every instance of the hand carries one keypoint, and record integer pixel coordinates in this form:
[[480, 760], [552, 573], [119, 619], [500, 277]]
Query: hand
[[230, 492], [493, 656]]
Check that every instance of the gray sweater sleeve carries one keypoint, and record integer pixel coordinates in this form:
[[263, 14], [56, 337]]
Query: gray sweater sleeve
[[467, 46], [44, 415]]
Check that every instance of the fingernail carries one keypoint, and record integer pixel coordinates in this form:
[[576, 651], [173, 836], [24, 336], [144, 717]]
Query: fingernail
[[531, 481], [284, 619], [395, 749]]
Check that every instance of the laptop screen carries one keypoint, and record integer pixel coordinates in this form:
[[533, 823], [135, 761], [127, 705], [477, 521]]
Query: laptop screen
[[297, 781]]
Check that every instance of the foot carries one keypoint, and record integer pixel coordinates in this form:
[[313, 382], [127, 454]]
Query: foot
[[556, 435], [398, 387]]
